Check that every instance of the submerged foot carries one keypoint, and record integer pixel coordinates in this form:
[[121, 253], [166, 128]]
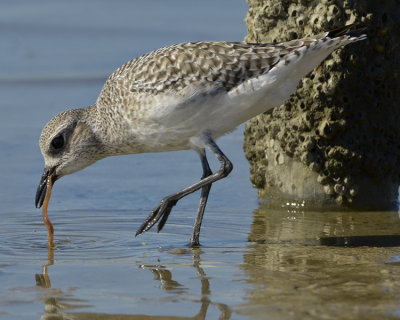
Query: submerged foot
[[162, 212]]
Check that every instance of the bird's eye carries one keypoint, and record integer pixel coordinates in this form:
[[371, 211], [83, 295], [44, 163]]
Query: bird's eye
[[58, 142]]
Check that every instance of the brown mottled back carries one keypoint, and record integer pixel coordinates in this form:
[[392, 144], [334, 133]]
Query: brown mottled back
[[223, 64]]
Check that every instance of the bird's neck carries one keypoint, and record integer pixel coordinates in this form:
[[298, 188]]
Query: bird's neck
[[107, 131], [89, 120]]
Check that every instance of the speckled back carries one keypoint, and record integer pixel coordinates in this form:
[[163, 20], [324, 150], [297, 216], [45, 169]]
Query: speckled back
[[222, 64]]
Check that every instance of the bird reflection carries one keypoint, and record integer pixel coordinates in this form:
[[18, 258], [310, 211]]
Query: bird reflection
[[56, 301], [165, 277]]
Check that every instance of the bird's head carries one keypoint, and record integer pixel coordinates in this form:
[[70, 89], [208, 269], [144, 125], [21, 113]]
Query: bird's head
[[68, 144]]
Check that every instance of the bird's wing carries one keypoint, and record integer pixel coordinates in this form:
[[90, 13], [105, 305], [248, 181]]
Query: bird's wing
[[203, 64], [192, 69]]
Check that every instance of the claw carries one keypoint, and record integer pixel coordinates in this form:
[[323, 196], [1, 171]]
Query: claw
[[162, 212], [165, 215], [148, 223]]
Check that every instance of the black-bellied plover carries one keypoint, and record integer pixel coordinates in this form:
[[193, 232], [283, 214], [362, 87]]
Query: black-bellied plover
[[181, 97]]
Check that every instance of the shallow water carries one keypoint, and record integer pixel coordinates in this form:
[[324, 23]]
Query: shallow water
[[255, 262], [291, 264]]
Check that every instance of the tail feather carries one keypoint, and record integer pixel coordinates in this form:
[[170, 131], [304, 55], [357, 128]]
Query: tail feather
[[352, 30]]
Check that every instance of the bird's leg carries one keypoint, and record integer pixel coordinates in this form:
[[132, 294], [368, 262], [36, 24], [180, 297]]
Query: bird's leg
[[194, 240], [165, 206]]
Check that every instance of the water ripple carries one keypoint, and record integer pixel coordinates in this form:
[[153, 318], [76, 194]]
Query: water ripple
[[96, 234], [82, 235]]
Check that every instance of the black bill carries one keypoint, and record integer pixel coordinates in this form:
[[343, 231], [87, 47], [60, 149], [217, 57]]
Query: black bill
[[42, 188]]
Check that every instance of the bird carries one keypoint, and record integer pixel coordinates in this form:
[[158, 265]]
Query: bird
[[181, 97]]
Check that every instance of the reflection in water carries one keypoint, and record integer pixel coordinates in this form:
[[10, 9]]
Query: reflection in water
[[295, 224], [43, 280], [165, 277], [56, 301], [305, 264], [390, 240]]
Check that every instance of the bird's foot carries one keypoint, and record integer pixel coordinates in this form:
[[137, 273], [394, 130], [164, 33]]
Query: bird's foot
[[162, 212]]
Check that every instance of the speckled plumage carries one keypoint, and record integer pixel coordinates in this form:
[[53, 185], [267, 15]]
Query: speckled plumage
[[170, 98]]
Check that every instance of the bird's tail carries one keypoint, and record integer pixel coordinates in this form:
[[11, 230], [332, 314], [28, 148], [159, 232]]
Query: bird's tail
[[353, 30]]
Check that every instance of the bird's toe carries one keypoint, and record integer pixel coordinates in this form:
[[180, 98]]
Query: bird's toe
[[162, 212]]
